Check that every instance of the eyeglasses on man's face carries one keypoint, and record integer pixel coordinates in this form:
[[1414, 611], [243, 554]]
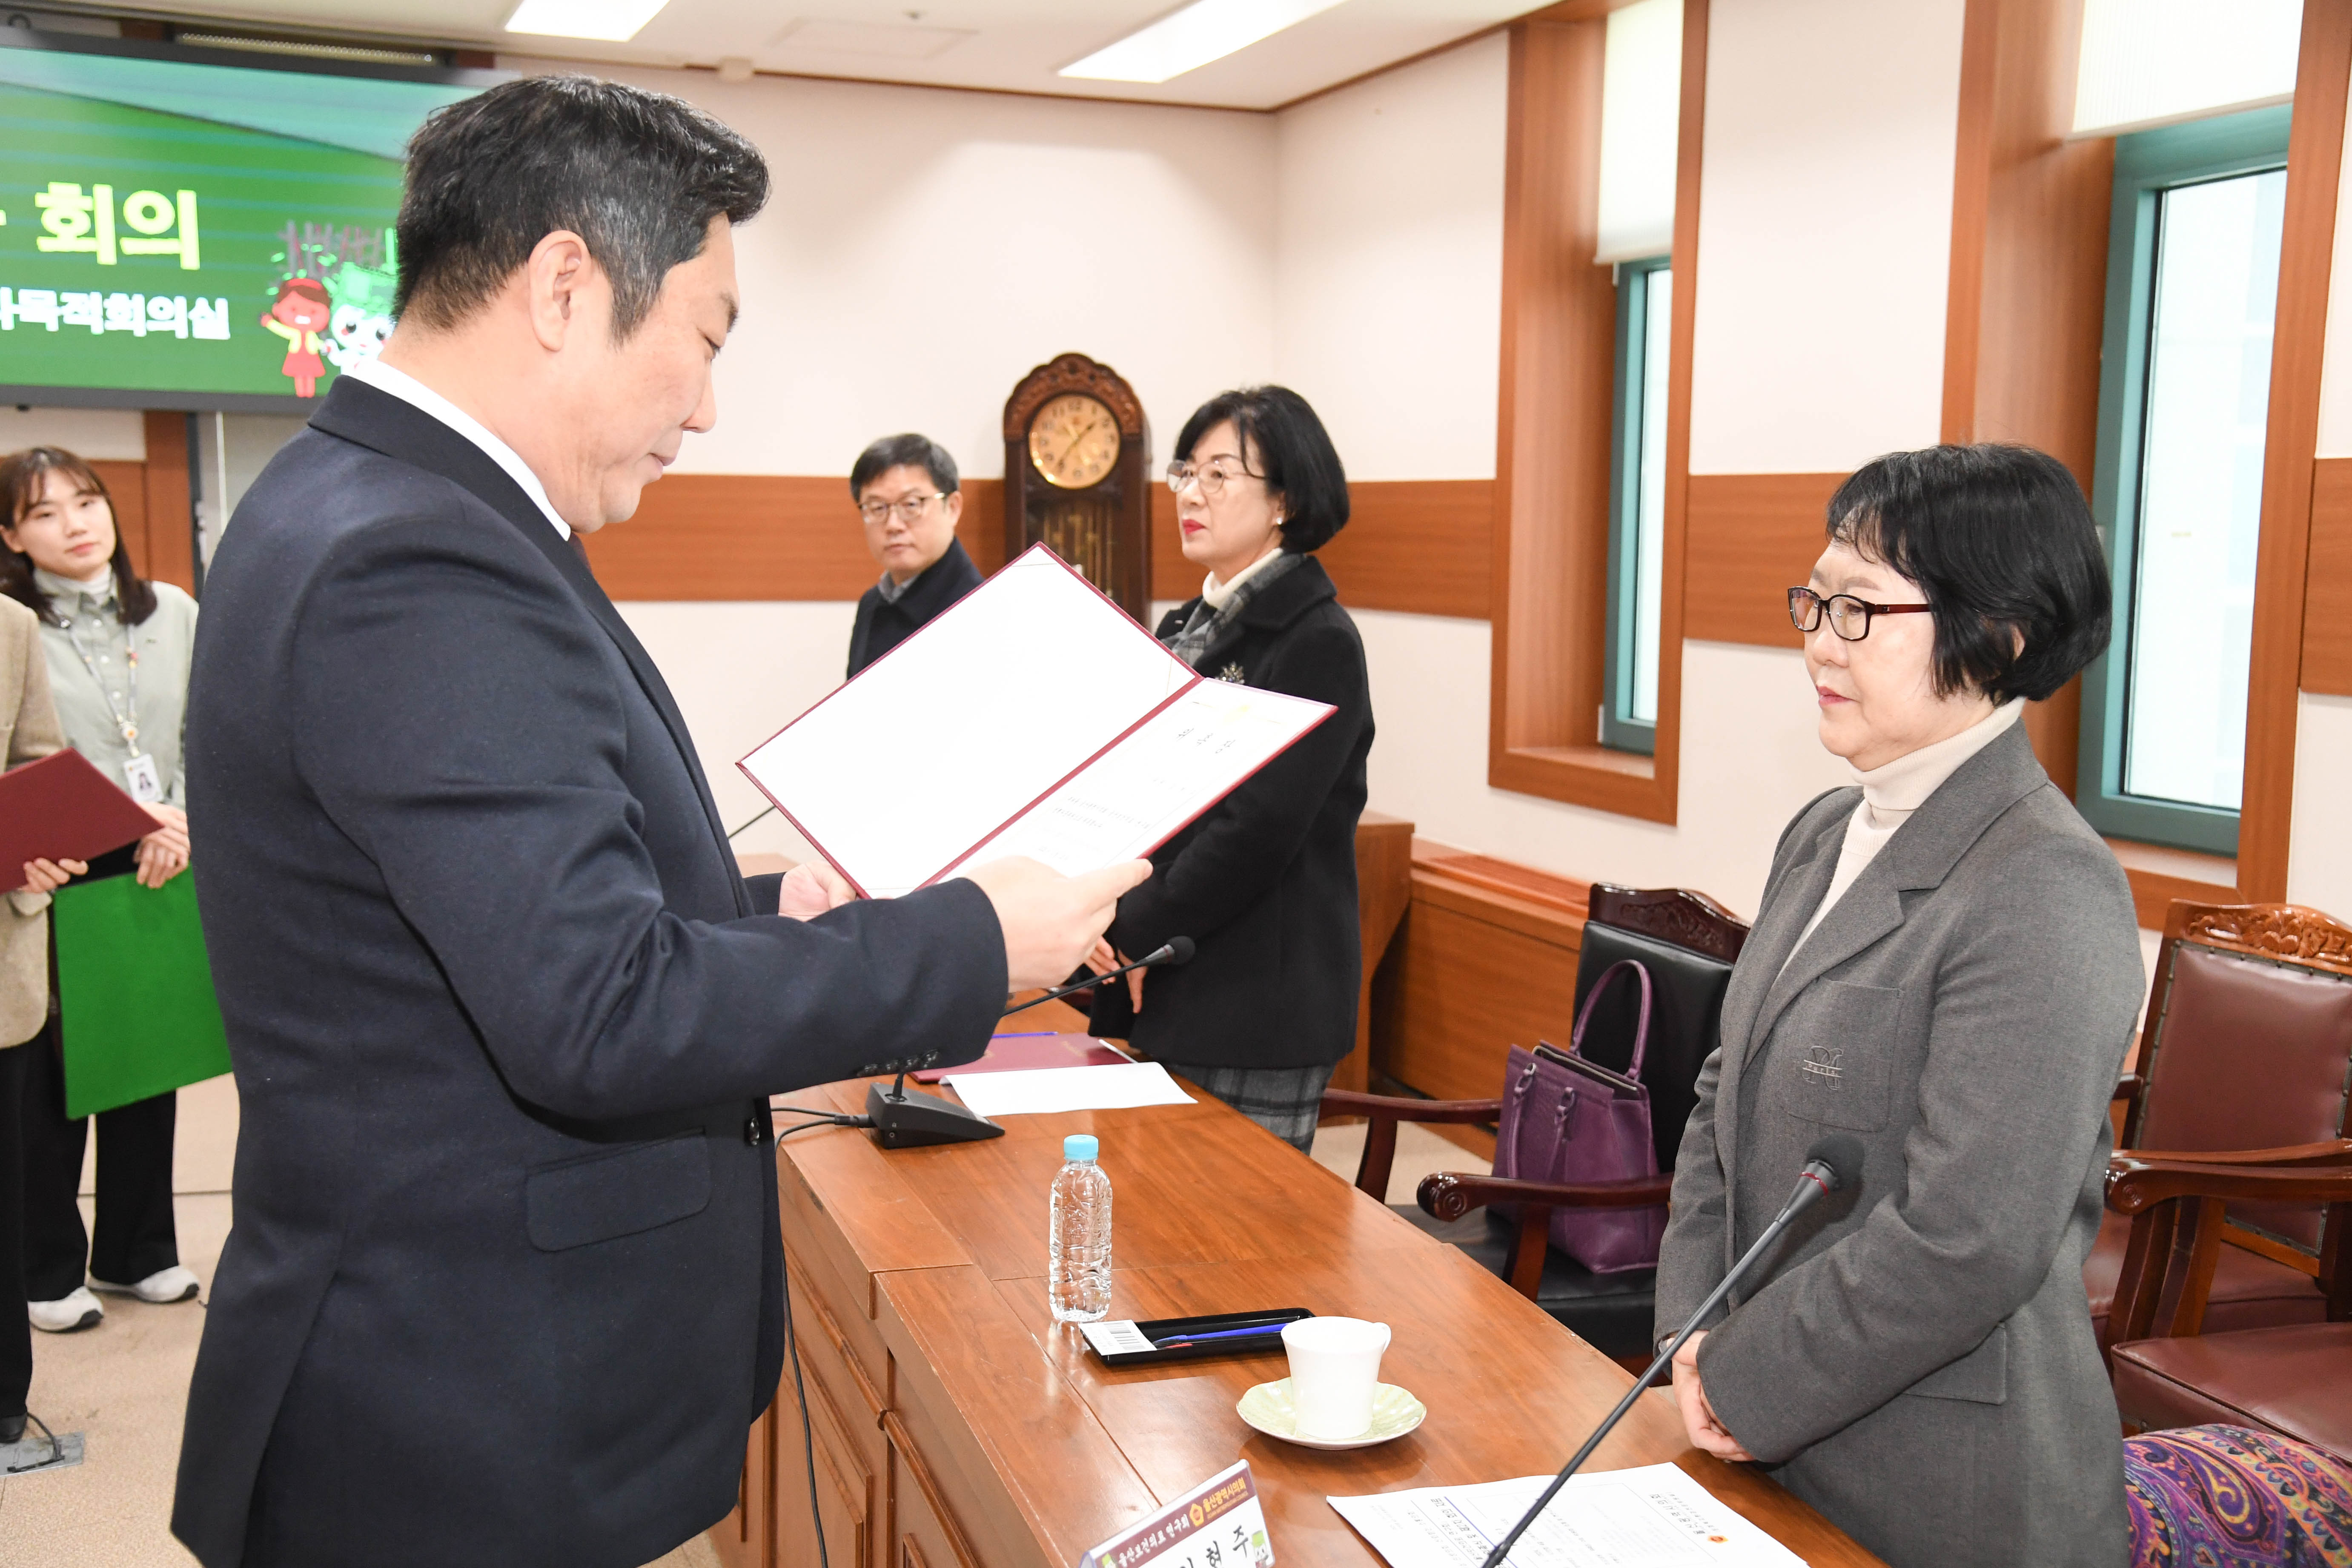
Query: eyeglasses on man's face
[[910, 508], [1848, 616], [1213, 476]]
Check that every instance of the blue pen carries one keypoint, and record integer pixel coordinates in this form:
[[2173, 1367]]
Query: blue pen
[[1180, 1341]]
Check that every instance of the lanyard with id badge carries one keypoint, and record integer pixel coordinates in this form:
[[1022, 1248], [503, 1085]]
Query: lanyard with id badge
[[141, 776]]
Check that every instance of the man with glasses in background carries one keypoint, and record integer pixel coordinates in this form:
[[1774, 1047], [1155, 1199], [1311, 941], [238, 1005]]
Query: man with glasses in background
[[908, 495]]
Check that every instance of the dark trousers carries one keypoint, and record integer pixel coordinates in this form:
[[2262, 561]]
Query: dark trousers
[[15, 1333], [136, 1236]]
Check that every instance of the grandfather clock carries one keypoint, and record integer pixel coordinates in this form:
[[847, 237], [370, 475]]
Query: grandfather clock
[[1077, 455]]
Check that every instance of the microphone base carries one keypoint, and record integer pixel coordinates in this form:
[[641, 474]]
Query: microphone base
[[904, 1121]]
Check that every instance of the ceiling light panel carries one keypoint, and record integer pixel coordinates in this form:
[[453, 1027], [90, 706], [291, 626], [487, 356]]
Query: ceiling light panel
[[612, 21], [1188, 39]]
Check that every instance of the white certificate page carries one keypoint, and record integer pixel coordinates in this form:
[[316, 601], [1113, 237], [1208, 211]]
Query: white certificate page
[[1653, 1516], [958, 729], [1182, 761]]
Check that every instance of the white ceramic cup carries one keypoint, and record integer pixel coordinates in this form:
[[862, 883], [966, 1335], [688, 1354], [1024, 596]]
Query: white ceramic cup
[[1334, 1364]]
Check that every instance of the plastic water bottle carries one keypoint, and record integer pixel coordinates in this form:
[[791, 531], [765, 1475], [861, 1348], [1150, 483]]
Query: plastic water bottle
[[1077, 1280]]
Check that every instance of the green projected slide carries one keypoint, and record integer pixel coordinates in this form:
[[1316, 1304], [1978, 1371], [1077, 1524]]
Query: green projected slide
[[194, 230]]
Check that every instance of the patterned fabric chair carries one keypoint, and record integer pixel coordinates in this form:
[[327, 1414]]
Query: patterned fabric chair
[[2225, 1497]]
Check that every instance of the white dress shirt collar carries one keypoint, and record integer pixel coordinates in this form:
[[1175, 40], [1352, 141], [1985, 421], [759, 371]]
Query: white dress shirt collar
[[399, 384]]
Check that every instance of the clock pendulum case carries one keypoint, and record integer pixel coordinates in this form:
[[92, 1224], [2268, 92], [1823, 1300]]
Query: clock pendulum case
[[1077, 455]]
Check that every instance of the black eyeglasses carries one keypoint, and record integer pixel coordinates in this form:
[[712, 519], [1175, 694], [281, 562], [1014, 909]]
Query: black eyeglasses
[[1848, 616]]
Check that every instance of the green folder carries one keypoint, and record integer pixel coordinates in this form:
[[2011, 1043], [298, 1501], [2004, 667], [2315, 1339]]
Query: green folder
[[135, 993]]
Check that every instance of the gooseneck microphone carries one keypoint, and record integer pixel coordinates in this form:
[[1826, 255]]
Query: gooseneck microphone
[[1833, 1165], [1177, 950]]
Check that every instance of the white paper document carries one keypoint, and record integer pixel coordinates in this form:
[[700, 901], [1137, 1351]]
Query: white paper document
[[1037, 1090], [1653, 1516], [1032, 717]]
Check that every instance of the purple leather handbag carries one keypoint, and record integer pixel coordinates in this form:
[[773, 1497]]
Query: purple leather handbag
[[1565, 1118]]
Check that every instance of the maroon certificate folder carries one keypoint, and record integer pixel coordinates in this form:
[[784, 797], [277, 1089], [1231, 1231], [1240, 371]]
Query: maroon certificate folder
[[1017, 1053], [61, 808]]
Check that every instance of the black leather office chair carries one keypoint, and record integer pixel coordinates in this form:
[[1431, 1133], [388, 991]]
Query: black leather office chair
[[1689, 943]]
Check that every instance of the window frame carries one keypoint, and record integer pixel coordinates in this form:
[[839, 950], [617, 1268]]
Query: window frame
[[1619, 730], [2147, 164]]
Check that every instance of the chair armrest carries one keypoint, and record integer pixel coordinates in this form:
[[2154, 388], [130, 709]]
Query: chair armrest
[[2177, 1209], [1404, 1108], [2128, 1087], [1450, 1195], [2327, 1152], [1386, 1111], [2137, 1182]]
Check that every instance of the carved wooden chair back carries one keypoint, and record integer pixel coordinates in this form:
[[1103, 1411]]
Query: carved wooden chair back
[[2248, 1045], [1689, 942]]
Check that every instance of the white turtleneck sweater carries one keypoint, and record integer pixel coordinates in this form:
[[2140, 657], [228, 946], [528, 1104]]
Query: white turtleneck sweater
[[1891, 792]]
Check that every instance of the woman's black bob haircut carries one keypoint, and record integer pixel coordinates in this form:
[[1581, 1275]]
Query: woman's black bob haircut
[[1292, 452], [2001, 541]]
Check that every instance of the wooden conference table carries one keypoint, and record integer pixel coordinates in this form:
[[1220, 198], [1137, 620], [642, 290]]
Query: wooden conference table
[[956, 1426]]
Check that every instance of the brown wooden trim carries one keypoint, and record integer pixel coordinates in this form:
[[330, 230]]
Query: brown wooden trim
[[1751, 536], [2306, 250], [2028, 277], [171, 534], [759, 536], [902, 1445], [1557, 371], [2327, 581], [1420, 546]]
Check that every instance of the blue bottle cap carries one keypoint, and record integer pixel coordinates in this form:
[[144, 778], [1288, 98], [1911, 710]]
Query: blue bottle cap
[[1080, 1146]]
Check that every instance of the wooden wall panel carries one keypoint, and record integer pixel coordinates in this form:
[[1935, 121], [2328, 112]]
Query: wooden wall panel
[[1484, 959], [2306, 250], [2327, 584], [1421, 546], [1752, 536], [762, 536], [126, 486], [171, 508], [1555, 407]]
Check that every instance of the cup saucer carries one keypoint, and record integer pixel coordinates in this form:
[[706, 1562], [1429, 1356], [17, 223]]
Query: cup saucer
[[1268, 1408]]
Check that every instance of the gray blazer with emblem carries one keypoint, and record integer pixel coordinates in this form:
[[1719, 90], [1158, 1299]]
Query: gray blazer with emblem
[[1915, 1359]]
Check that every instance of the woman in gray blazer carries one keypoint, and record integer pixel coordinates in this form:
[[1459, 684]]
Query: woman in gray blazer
[[1946, 966]]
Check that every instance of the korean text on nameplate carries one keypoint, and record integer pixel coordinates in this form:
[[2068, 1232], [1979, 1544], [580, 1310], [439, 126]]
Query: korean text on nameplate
[[1218, 1524]]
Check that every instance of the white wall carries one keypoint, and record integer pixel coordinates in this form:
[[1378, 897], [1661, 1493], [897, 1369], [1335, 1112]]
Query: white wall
[[741, 673], [2319, 852], [1389, 269], [1749, 760], [117, 435], [923, 249], [1820, 136], [1825, 217]]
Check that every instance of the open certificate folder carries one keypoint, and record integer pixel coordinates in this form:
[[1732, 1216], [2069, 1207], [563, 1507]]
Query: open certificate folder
[[1032, 717]]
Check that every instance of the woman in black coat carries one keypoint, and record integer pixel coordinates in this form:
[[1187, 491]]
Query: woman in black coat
[[1264, 884]]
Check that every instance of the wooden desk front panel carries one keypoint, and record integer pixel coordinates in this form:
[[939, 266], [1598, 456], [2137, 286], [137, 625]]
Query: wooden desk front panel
[[991, 1440]]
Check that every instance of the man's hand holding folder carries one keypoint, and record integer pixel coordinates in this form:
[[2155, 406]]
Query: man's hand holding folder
[[1052, 921]]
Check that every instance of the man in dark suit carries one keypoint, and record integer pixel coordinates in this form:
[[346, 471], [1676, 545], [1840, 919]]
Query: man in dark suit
[[505, 1284], [909, 500]]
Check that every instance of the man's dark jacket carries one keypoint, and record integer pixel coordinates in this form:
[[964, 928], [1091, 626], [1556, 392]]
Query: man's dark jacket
[[883, 625], [1265, 883], [503, 1286]]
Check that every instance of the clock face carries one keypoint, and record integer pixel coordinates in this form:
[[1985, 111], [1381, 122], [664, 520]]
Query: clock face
[[1074, 441]]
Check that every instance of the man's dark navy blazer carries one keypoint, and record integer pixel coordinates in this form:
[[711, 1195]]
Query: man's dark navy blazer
[[503, 1286], [882, 624]]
